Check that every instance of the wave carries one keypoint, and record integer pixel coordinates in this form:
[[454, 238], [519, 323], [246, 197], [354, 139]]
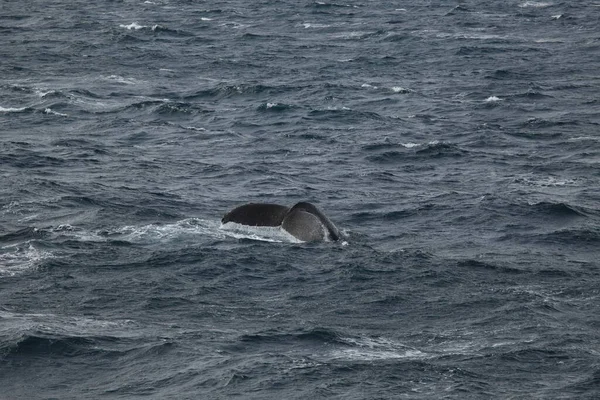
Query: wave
[[558, 210], [571, 238], [546, 181], [343, 114], [330, 346], [23, 234], [226, 90], [32, 335], [19, 258], [8, 110], [326, 5], [275, 107], [535, 4], [433, 149]]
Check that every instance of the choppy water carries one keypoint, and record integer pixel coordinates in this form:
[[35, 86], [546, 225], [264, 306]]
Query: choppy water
[[457, 145]]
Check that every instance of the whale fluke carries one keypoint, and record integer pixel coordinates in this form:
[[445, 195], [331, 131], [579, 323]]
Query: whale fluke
[[304, 220]]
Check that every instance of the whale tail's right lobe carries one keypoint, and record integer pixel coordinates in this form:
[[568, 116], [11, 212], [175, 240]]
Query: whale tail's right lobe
[[332, 230], [304, 226]]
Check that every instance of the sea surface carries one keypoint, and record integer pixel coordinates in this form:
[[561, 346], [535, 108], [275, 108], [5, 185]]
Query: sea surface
[[456, 144]]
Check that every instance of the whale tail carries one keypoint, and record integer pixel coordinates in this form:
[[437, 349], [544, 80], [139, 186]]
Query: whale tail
[[304, 220]]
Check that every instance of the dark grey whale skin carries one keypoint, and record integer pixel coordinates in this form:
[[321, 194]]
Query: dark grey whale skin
[[304, 220]]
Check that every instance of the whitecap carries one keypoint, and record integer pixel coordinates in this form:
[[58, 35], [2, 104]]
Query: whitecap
[[132, 26], [481, 36], [121, 79], [410, 145], [194, 128], [535, 4], [312, 25], [19, 258], [43, 94], [584, 138], [549, 40], [400, 89], [353, 35], [492, 99], [545, 181], [375, 349], [50, 111], [12, 109]]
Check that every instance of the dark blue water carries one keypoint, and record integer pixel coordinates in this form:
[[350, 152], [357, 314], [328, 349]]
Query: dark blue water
[[456, 145]]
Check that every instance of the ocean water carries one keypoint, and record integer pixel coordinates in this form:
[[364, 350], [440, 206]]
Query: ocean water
[[456, 144]]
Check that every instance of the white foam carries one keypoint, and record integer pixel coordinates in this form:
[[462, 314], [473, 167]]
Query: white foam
[[535, 4], [12, 208], [12, 109], [133, 26], [374, 349], [155, 232], [366, 85], [188, 228], [43, 94], [480, 36], [545, 181], [65, 324], [492, 99], [262, 233], [400, 89], [353, 35], [311, 25], [120, 79], [194, 128], [584, 138], [50, 111], [410, 145], [234, 25], [548, 40], [19, 258]]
